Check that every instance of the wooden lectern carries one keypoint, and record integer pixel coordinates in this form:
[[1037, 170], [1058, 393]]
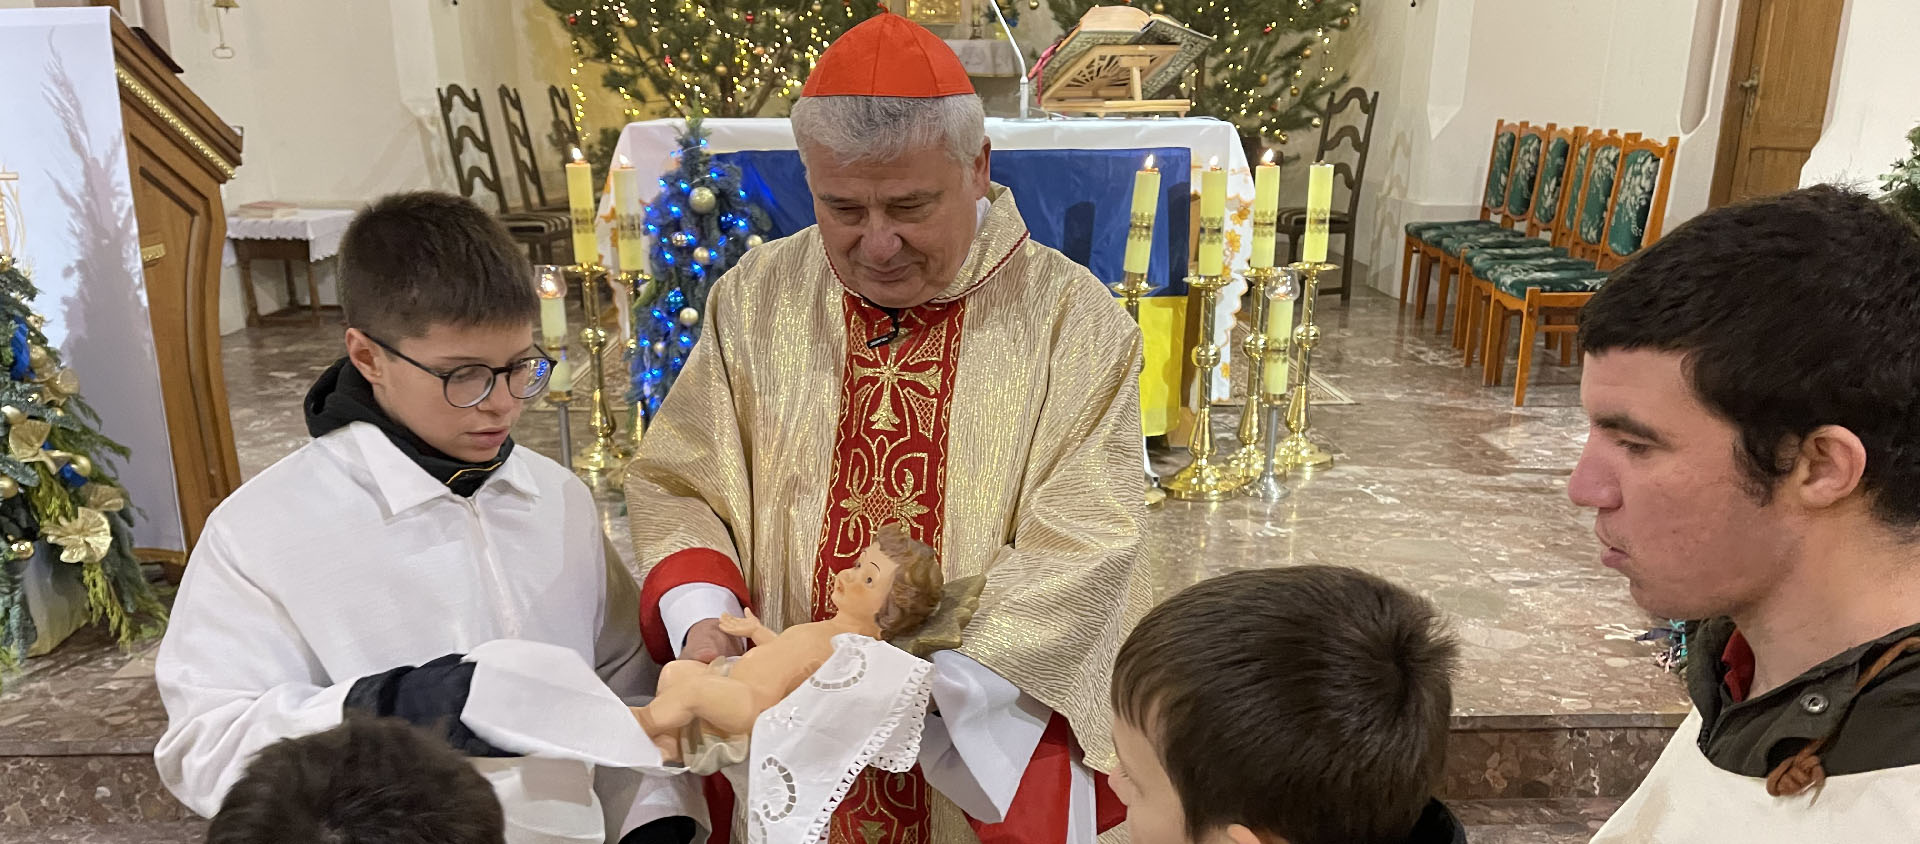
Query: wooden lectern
[[1107, 80], [180, 153]]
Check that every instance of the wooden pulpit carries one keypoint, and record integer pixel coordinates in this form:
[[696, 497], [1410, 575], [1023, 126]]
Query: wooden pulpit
[[180, 153]]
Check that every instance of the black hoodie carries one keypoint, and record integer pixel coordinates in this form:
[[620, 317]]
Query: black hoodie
[[343, 396]]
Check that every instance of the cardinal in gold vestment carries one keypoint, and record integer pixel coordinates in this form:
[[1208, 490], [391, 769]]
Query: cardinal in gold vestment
[[914, 358]]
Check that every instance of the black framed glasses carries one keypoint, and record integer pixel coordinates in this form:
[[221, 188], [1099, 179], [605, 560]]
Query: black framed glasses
[[470, 384]]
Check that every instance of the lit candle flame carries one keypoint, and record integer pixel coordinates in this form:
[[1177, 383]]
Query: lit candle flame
[[550, 286], [1213, 163], [577, 156], [623, 162], [1268, 158], [1149, 165]]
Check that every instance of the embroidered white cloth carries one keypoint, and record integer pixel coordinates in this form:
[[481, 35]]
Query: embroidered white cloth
[[864, 708], [321, 228]]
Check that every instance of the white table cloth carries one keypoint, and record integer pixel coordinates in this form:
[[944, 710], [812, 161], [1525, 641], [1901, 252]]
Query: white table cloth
[[321, 228]]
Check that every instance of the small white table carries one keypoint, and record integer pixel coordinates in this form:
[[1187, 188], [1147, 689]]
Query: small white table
[[309, 236]]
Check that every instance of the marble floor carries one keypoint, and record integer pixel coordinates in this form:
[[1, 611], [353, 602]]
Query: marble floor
[[1438, 484]]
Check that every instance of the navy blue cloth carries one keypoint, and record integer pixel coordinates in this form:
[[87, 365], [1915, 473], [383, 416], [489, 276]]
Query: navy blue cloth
[[1074, 200]]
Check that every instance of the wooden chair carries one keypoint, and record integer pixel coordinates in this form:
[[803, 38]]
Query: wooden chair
[[1292, 222], [1517, 206], [539, 231], [1500, 160], [562, 133], [1636, 211], [1566, 155], [526, 166]]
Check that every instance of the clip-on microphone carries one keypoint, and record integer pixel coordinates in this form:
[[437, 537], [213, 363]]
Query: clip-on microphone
[[892, 334]]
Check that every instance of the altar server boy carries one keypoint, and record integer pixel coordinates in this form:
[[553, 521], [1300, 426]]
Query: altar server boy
[[352, 575]]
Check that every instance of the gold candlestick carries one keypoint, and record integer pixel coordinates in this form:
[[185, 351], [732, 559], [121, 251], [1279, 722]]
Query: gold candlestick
[[1298, 452], [605, 457], [1251, 458], [1130, 291], [1205, 479]]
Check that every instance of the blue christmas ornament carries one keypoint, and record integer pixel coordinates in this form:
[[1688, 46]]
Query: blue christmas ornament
[[72, 476], [21, 367]]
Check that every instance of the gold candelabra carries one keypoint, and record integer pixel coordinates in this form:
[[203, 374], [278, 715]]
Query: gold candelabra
[[1248, 462], [606, 456], [1299, 452], [1205, 479], [1131, 289]]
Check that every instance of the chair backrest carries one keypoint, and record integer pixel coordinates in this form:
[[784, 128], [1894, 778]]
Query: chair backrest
[[1550, 189], [1639, 198], [564, 135], [481, 140], [1528, 152], [1499, 167], [1567, 219], [526, 169], [1596, 191], [1359, 133]]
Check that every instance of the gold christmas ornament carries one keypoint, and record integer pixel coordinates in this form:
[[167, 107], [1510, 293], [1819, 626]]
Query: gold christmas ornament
[[8, 487], [1294, 91], [83, 538], [1033, 4], [40, 360], [702, 256], [702, 198], [24, 439], [62, 385], [14, 415], [106, 498], [689, 316], [81, 464], [21, 549], [754, 240]]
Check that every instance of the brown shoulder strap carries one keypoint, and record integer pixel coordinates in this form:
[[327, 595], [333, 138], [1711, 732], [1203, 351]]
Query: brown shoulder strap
[[1802, 770]]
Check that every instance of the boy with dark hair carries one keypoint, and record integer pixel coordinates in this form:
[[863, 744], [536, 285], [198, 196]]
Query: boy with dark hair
[[368, 781], [1752, 384], [354, 574], [1303, 705]]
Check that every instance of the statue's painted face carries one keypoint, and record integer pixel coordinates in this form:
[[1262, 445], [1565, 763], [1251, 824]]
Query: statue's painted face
[[863, 589]]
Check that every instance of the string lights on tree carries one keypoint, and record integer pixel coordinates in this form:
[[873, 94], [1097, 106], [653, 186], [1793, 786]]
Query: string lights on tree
[[1271, 65], [704, 58]]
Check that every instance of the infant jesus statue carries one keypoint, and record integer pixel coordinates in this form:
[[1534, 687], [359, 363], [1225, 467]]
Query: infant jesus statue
[[889, 592]]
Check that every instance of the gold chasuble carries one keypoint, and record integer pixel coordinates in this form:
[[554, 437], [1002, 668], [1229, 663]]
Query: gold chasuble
[[1001, 425]]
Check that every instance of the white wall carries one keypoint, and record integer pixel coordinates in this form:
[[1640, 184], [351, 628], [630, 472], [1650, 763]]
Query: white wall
[[1448, 70], [1872, 105], [338, 100]]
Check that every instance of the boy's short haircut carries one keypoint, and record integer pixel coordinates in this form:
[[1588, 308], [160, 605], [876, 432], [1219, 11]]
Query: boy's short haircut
[[1308, 702], [368, 781], [414, 260], [1792, 312]]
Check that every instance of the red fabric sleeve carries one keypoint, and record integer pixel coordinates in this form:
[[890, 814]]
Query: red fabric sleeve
[[1041, 805], [691, 565]]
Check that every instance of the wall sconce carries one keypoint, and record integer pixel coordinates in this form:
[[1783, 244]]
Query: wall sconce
[[221, 7]]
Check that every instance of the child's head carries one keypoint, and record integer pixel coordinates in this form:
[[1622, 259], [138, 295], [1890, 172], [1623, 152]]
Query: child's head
[[368, 781], [897, 579], [431, 284], [1307, 705]]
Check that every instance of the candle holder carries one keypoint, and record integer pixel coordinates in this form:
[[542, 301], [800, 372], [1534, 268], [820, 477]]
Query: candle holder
[[1130, 290], [1268, 484], [1298, 452], [1204, 479], [562, 401], [1248, 462], [605, 456]]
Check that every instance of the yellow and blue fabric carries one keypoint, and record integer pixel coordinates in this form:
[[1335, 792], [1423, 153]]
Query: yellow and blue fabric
[[1077, 201]]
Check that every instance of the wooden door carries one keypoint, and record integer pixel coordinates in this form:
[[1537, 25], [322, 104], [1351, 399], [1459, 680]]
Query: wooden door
[[179, 154], [1776, 95]]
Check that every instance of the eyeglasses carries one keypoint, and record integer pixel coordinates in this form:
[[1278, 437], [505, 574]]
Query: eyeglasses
[[470, 384]]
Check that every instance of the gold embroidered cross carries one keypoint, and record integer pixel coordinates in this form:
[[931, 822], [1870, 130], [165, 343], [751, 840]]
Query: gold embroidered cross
[[889, 375]]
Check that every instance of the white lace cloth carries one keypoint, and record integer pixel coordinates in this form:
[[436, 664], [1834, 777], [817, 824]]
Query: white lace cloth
[[864, 708]]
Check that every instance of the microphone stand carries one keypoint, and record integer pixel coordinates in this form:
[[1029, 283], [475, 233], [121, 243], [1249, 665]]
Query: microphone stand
[[1026, 84]]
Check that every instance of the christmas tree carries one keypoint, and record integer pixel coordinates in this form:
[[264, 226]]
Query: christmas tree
[[1271, 65], [1903, 184], [701, 223], [705, 58], [56, 486]]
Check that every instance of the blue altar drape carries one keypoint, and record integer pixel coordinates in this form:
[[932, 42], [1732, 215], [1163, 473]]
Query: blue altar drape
[[1074, 200]]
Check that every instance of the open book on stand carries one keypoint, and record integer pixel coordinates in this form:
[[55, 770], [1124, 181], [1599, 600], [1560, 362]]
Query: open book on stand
[[1120, 58]]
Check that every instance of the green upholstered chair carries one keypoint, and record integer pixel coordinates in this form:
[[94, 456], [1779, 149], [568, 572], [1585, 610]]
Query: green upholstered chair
[[1493, 197]]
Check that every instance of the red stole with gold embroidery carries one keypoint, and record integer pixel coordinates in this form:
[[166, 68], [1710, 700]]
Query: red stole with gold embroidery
[[890, 459]]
